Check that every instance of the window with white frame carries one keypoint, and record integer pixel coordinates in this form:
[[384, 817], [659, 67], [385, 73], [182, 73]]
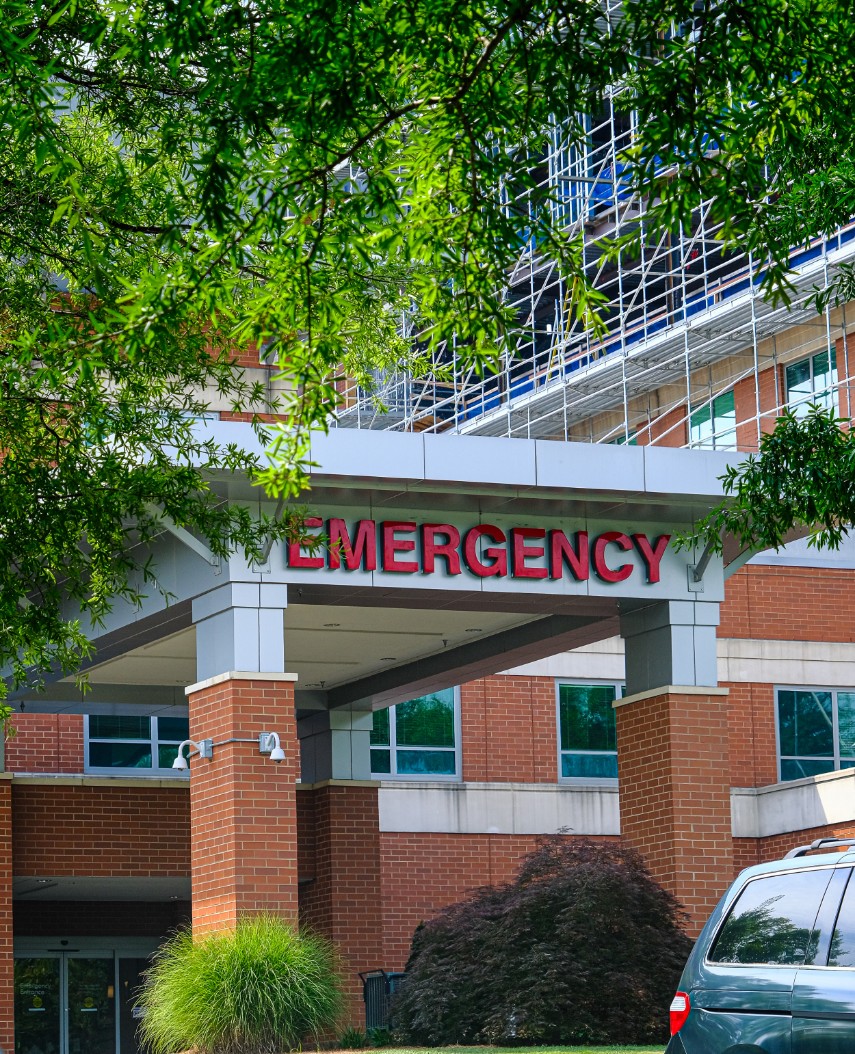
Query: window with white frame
[[812, 381], [418, 739], [586, 730], [712, 425], [142, 745], [816, 731]]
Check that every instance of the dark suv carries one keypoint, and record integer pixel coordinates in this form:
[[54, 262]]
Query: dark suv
[[773, 970]]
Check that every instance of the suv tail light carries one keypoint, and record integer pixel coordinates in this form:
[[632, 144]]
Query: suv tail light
[[679, 1011]]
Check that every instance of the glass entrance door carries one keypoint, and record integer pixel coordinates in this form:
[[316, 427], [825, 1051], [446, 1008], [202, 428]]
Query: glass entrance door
[[90, 988], [37, 1006], [65, 1003]]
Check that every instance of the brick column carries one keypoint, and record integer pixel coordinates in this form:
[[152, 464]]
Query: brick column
[[243, 827], [340, 877], [7, 963], [674, 780]]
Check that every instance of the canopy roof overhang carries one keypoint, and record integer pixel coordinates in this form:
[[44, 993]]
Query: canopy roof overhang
[[386, 637]]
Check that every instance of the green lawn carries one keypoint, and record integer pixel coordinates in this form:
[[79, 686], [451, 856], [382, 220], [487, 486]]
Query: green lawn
[[519, 1050]]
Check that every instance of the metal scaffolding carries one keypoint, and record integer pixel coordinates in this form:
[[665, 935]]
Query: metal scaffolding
[[685, 324]]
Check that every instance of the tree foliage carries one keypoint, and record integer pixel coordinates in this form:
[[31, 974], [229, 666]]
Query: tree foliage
[[583, 946], [803, 477], [183, 180]]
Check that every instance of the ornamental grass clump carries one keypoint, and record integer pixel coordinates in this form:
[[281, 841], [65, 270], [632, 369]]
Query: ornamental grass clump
[[260, 989]]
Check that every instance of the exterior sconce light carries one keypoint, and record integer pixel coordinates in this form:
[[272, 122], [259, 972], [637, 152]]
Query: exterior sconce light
[[204, 749], [268, 743]]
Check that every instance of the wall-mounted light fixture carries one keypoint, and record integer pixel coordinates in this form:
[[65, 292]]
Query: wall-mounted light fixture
[[268, 743], [204, 749]]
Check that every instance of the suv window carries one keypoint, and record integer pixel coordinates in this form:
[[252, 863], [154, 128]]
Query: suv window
[[843, 942], [773, 920]]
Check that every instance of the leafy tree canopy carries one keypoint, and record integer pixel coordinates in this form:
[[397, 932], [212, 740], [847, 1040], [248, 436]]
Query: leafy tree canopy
[[182, 180]]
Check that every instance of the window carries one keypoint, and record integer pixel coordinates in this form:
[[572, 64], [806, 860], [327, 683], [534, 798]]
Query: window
[[813, 380], [145, 745], [816, 731], [773, 921], [625, 440], [712, 426], [586, 730], [417, 738]]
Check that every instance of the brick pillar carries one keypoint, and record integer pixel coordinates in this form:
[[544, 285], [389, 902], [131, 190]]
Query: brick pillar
[[340, 880], [243, 826], [7, 976], [674, 780]]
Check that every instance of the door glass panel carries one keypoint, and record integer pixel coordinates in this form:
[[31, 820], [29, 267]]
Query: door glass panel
[[130, 979], [37, 1006], [91, 1006]]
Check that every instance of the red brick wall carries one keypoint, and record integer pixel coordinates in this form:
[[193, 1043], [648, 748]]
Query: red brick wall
[[669, 429], [845, 359], [789, 603], [340, 878], [508, 730], [46, 743], [421, 873], [100, 831], [675, 794], [243, 813], [751, 722], [757, 850]]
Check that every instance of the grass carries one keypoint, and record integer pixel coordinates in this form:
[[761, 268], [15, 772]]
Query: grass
[[519, 1050]]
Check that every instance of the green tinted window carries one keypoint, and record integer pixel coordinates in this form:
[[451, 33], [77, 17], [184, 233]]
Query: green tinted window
[[713, 424], [805, 724], [416, 738], [816, 731], [381, 760], [589, 766], [813, 381], [131, 742], [587, 731], [846, 723], [426, 722], [380, 730], [426, 762], [173, 729], [114, 727], [120, 755], [587, 716]]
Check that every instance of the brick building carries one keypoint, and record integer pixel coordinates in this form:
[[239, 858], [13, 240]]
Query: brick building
[[500, 647], [498, 642]]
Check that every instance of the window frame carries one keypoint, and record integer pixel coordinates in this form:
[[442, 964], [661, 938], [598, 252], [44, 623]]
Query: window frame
[[420, 777], [835, 730], [800, 405], [591, 682], [154, 740]]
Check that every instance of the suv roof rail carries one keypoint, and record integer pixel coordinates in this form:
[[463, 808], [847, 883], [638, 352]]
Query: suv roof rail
[[820, 843]]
